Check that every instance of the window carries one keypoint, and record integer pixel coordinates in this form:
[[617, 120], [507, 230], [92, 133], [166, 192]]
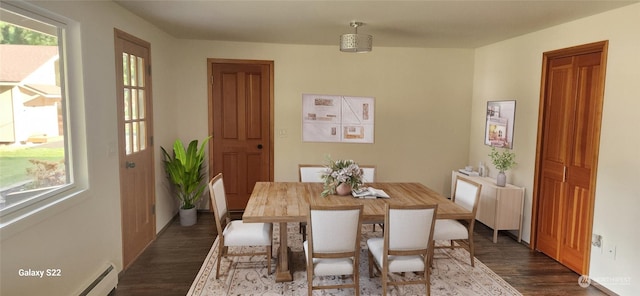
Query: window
[[35, 159]]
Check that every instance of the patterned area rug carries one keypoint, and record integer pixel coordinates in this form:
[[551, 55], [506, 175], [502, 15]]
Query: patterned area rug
[[451, 274]]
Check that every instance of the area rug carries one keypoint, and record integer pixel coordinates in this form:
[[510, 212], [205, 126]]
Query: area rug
[[451, 274]]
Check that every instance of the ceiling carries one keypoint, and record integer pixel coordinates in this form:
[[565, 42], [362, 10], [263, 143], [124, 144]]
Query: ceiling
[[418, 23]]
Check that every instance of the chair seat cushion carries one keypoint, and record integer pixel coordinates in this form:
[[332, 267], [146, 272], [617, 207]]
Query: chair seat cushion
[[447, 229], [396, 263], [329, 266], [238, 233]]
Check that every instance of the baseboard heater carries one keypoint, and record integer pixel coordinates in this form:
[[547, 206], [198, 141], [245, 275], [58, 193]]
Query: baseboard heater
[[104, 283]]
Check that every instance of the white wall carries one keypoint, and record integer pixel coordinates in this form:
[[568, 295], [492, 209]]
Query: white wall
[[422, 99], [422, 104], [512, 69], [80, 235]]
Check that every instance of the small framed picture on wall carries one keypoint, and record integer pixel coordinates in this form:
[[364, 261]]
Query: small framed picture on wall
[[499, 124]]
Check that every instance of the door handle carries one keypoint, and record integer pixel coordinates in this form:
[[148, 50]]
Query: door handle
[[564, 174], [130, 164], [259, 146]]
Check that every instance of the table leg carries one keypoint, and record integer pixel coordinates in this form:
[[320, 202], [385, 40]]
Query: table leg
[[283, 270]]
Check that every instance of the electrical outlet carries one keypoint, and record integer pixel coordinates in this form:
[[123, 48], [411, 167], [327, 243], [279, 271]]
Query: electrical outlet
[[610, 252]]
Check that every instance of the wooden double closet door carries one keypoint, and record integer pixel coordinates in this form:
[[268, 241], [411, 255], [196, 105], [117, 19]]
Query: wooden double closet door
[[567, 153]]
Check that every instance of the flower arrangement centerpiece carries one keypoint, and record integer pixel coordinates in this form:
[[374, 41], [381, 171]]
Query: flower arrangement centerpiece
[[341, 172], [502, 161]]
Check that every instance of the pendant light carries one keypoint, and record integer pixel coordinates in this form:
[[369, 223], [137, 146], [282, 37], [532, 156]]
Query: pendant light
[[356, 42]]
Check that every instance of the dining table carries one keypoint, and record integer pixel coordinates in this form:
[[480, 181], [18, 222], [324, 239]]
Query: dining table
[[288, 202]]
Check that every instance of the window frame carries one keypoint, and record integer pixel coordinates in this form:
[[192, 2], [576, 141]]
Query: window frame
[[71, 88]]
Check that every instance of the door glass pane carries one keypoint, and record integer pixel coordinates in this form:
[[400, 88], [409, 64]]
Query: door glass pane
[[134, 104], [143, 136], [133, 65], [140, 72], [141, 105], [127, 138], [127, 104], [135, 137], [125, 69]]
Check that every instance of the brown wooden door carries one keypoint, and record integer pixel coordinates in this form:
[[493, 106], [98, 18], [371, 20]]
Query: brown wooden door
[[240, 118], [137, 194], [568, 153]]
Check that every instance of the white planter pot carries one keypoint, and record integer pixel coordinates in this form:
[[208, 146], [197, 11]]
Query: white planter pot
[[188, 217]]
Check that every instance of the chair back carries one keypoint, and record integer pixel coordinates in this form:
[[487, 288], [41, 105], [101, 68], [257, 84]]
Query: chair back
[[409, 227], [368, 173], [335, 229], [218, 202], [311, 173], [466, 194]]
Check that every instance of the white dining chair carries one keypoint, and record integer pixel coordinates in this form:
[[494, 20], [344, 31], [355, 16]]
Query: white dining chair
[[311, 173], [466, 194], [406, 246], [369, 176], [236, 233], [368, 173], [333, 247]]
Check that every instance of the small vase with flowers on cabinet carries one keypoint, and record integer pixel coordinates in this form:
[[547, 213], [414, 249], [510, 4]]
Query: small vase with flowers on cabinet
[[502, 161]]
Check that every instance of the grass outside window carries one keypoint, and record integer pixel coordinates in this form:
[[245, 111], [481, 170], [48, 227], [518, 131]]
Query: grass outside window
[[14, 162]]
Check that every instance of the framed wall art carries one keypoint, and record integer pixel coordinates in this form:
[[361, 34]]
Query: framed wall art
[[499, 124], [332, 118]]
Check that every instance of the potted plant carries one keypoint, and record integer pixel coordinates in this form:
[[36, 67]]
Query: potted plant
[[184, 168], [502, 161], [341, 177]]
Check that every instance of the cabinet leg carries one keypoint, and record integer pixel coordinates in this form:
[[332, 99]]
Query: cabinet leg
[[495, 236]]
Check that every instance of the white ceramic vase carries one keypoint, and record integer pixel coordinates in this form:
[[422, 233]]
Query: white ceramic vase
[[501, 180]]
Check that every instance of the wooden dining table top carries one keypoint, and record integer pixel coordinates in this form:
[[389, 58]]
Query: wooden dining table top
[[288, 201]]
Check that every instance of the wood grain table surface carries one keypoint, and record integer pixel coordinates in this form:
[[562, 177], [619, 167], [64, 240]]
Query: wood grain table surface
[[284, 202]]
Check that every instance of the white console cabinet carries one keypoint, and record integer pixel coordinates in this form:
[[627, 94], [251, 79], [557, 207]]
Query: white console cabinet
[[500, 208]]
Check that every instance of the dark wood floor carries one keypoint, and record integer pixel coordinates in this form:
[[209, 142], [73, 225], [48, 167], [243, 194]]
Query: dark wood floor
[[530, 272], [170, 264]]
